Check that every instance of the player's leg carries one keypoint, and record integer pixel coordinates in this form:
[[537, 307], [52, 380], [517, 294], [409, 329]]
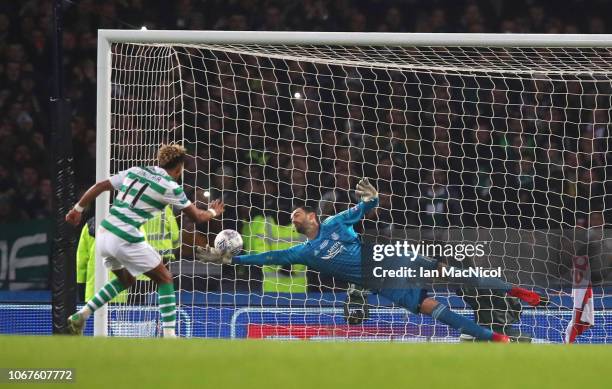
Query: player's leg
[[167, 299], [76, 322], [528, 296], [415, 300], [108, 249], [141, 258], [444, 314]]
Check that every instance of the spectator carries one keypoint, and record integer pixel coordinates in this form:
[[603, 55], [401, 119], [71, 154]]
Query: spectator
[[9, 213], [393, 21], [273, 20], [28, 193], [436, 204]]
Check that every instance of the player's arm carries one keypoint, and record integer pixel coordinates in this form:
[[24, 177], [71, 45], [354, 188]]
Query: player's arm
[[176, 197], [74, 215], [369, 201], [290, 256], [215, 208], [114, 182]]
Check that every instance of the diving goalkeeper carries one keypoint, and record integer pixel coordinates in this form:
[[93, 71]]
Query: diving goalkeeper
[[334, 248]]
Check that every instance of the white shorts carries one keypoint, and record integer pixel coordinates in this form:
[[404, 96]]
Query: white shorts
[[116, 253]]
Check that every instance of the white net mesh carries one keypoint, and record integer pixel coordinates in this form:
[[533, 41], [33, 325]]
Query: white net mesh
[[510, 139]]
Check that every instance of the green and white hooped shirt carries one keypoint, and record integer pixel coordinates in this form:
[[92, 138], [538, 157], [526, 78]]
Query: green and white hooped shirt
[[143, 192]]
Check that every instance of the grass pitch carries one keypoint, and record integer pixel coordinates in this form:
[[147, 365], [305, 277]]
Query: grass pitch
[[158, 363]]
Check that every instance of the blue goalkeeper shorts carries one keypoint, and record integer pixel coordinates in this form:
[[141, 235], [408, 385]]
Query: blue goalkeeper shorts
[[410, 299], [411, 293]]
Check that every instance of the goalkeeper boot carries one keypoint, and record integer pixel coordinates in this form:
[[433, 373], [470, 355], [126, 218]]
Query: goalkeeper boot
[[466, 338], [500, 338], [528, 296], [76, 324]]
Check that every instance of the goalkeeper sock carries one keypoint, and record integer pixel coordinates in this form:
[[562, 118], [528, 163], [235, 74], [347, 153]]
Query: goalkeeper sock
[[442, 313], [167, 308], [104, 295]]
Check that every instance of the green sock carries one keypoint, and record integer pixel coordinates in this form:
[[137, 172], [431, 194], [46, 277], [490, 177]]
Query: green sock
[[104, 295], [167, 308]]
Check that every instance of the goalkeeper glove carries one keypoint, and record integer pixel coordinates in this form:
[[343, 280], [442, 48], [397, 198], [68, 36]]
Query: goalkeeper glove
[[213, 255], [365, 190], [356, 308]]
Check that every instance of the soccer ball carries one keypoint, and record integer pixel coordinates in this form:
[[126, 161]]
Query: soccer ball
[[229, 240]]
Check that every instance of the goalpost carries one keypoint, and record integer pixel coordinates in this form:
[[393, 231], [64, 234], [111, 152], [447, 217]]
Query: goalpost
[[499, 138]]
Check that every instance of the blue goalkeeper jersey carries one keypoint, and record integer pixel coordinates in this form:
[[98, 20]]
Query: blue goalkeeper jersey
[[336, 250]]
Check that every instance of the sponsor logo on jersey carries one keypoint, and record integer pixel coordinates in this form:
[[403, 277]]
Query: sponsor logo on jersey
[[333, 251]]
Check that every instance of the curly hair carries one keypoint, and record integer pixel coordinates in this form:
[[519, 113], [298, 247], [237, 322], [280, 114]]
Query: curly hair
[[170, 156]]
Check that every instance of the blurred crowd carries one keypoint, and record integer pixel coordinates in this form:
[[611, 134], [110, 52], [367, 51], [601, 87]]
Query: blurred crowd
[[443, 149], [511, 163]]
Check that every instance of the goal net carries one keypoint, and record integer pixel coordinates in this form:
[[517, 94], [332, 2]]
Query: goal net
[[499, 142]]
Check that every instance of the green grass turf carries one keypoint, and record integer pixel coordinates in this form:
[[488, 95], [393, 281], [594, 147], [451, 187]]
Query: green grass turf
[[154, 363]]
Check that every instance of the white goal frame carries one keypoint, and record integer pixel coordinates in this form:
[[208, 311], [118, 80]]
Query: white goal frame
[[108, 37]]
